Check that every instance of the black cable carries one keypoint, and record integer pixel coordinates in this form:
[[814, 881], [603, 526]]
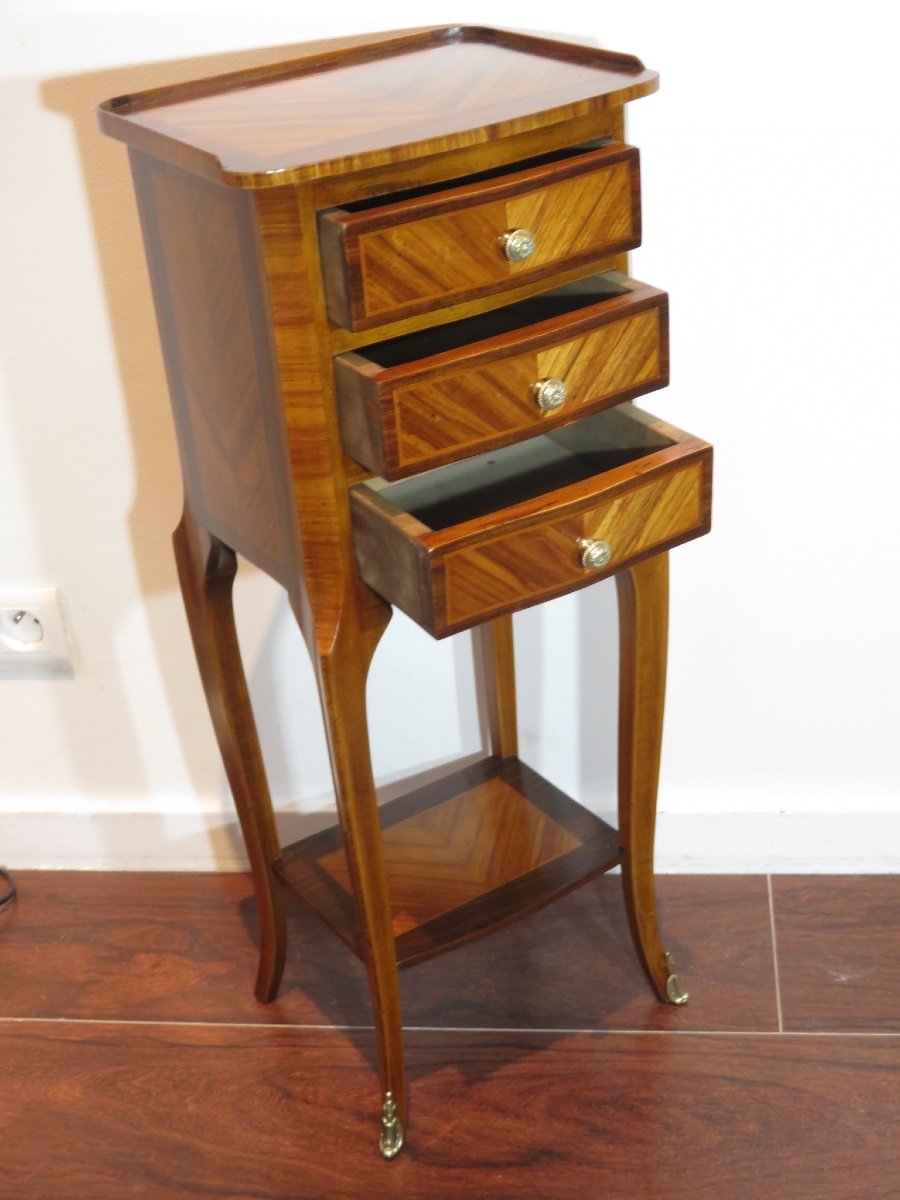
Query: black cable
[[9, 895]]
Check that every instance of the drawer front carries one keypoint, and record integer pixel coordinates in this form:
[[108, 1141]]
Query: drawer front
[[450, 562], [544, 559], [397, 428], [411, 257]]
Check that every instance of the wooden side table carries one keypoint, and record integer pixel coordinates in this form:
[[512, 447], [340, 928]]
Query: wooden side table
[[401, 344]]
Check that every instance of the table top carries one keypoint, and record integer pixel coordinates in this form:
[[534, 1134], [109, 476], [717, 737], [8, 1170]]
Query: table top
[[393, 98]]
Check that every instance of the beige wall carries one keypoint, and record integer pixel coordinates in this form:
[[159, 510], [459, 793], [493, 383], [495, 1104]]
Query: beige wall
[[770, 187]]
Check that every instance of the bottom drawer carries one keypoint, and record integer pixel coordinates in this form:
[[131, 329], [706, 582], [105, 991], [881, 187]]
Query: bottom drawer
[[467, 542]]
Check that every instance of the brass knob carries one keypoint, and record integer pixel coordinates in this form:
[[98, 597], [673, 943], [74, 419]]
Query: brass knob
[[550, 394], [594, 553], [518, 244]]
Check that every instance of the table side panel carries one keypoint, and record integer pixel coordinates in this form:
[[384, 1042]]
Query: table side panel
[[204, 261]]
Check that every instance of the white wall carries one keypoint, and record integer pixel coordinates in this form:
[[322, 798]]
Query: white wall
[[770, 184]]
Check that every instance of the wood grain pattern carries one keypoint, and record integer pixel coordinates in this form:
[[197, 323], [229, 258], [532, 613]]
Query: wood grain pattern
[[180, 947], [204, 266], [528, 552], [166, 947], [341, 620], [544, 559], [206, 571], [568, 966], [167, 1113], [837, 949], [463, 856], [341, 339], [458, 850], [400, 419], [643, 596], [428, 252], [401, 98], [240, 279], [495, 678]]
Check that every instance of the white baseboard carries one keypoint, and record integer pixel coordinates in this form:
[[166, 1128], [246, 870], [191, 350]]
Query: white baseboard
[[691, 843]]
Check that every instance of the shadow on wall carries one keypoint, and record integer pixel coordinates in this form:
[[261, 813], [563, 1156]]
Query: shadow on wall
[[157, 485], [591, 711]]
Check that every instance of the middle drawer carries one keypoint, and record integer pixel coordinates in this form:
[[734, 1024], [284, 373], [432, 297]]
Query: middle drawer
[[456, 390]]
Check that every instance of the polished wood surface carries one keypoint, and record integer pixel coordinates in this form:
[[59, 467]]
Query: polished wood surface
[[403, 97], [341, 620], [543, 560], [495, 674], [538, 1063], [400, 417], [838, 939], [341, 339], [205, 270], [372, 199], [643, 595], [531, 551], [130, 1047], [206, 570], [181, 946], [161, 1110], [463, 856], [411, 256]]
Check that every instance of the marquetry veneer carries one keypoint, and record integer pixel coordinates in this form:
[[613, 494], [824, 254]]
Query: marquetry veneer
[[401, 346]]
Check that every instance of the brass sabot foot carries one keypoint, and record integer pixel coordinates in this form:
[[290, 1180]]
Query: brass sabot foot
[[391, 1141], [675, 993]]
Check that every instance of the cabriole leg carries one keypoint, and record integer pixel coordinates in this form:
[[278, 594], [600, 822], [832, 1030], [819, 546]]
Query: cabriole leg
[[206, 570], [342, 681], [495, 675], [643, 592]]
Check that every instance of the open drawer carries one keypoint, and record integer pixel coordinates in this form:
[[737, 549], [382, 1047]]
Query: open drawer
[[463, 543], [413, 252], [429, 398]]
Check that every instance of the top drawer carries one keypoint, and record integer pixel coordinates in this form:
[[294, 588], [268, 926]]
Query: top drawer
[[409, 255]]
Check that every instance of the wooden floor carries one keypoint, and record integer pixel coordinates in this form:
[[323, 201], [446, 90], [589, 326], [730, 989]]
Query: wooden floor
[[135, 1062]]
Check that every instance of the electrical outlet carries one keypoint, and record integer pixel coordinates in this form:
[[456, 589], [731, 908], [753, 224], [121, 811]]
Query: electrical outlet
[[33, 642]]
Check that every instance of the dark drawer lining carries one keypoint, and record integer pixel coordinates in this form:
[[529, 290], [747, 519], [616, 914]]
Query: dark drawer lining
[[561, 301], [479, 486], [524, 164]]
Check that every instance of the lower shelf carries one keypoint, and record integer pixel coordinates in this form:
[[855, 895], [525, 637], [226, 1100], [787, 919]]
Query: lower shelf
[[464, 855]]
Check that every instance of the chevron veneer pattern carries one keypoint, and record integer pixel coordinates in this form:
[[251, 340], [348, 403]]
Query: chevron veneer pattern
[[464, 408], [465, 853], [432, 260], [543, 559], [458, 850]]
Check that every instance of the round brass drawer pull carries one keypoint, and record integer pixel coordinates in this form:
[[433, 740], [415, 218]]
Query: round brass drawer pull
[[518, 244], [550, 394], [594, 553]]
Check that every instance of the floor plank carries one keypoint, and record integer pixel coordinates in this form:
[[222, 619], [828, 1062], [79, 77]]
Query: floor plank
[[181, 947], [839, 951], [164, 947], [572, 966], [167, 1113]]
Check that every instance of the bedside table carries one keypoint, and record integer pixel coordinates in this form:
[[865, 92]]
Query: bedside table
[[402, 344]]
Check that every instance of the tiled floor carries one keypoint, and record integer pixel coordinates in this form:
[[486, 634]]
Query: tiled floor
[[136, 1062]]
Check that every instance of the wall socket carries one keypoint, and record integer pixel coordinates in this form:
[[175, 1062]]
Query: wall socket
[[33, 641]]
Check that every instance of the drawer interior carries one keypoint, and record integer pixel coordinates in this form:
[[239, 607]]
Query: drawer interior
[[559, 302], [476, 487], [539, 160]]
